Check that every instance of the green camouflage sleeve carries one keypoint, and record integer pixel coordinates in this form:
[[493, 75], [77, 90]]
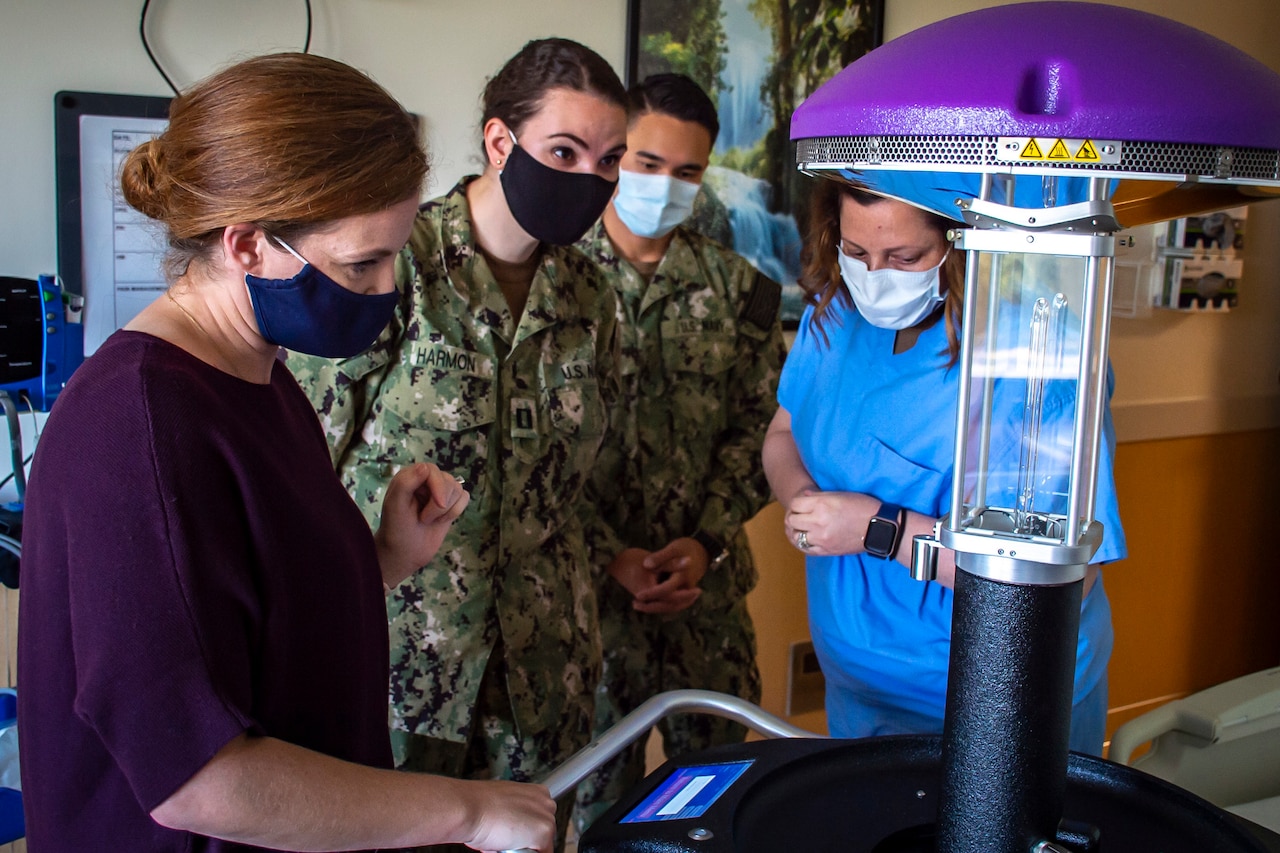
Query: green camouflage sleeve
[[736, 487], [602, 508]]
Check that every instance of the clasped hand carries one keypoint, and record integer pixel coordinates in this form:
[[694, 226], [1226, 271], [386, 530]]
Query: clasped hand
[[833, 522], [663, 581], [420, 505]]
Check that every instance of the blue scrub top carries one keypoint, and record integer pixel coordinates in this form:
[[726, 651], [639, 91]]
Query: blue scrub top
[[867, 420]]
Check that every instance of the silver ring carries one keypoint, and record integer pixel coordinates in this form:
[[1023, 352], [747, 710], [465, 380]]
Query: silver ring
[[802, 540]]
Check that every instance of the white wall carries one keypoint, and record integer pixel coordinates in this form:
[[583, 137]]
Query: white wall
[[433, 55], [1183, 374]]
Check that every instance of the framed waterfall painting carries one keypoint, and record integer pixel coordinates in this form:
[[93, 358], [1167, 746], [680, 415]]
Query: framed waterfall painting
[[758, 60]]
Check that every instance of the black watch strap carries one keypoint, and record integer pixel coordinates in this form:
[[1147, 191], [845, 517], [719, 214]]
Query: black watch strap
[[715, 550], [884, 531]]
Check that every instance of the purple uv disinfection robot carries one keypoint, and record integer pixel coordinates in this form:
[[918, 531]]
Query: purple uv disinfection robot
[[1041, 129]]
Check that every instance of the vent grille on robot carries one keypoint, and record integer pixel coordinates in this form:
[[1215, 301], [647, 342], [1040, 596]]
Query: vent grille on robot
[[978, 153]]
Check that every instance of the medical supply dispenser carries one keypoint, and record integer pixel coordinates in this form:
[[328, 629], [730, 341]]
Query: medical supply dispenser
[[1202, 261]]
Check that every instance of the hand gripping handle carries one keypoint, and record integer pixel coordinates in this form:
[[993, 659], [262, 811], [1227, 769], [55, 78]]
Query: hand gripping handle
[[638, 723]]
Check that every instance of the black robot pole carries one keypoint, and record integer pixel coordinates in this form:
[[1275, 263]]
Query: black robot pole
[[1008, 714]]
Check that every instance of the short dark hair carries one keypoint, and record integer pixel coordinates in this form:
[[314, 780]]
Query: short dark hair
[[516, 92], [674, 95]]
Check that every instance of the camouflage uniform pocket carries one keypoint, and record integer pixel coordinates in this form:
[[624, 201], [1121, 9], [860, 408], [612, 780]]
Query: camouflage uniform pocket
[[566, 421], [697, 369], [577, 408], [446, 422], [705, 354]]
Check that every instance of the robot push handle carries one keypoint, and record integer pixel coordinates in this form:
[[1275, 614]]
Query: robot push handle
[[631, 727]]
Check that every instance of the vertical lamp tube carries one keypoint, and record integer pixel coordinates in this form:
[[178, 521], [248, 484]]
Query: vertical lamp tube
[[1100, 391], [966, 378], [1080, 454], [987, 189], [988, 385]]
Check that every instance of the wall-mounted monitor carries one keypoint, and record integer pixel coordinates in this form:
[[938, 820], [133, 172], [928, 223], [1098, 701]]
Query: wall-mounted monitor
[[107, 252]]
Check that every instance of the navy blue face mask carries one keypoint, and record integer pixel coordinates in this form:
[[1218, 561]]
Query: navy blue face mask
[[313, 314]]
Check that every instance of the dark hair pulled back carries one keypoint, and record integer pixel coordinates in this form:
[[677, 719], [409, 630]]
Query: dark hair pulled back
[[516, 92]]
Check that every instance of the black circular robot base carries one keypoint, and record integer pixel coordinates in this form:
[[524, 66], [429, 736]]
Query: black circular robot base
[[880, 795]]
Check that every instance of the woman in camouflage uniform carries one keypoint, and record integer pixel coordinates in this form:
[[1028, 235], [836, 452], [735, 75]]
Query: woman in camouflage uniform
[[498, 366]]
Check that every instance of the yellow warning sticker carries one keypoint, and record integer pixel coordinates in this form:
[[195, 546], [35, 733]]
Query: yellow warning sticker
[[1087, 153], [1057, 150]]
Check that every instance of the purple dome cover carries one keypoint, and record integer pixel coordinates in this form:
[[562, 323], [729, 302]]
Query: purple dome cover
[[1052, 69]]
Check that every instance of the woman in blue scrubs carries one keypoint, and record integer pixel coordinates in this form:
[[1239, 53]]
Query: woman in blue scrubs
[[866, 428]]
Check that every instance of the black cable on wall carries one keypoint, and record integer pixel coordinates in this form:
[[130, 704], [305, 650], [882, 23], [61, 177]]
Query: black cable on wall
[[146, 45]]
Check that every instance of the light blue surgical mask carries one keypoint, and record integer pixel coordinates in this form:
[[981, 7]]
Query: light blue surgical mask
[[311, 313], [891, 298], [652, 205]]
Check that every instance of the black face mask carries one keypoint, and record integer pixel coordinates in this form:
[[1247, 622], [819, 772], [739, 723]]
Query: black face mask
[[553, 206]]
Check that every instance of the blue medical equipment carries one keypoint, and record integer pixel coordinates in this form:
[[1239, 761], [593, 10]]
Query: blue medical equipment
[[41, 340], [12, 824]]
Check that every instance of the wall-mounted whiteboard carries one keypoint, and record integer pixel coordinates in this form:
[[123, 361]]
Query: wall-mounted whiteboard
[[107, 252]]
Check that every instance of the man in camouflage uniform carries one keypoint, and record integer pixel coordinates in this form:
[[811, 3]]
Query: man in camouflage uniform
[[702, 350], [495, 644]]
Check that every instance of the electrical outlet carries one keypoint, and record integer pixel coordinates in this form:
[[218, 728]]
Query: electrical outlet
[[806, 686]]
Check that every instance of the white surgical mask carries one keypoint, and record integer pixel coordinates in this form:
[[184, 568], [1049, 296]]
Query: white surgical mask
[[890, 298], [652, 205]]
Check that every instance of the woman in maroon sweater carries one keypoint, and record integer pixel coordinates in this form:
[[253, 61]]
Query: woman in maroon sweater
[[203, 636]]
